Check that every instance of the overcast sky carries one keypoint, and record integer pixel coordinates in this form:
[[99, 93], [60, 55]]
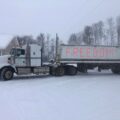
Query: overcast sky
[[31, 17]]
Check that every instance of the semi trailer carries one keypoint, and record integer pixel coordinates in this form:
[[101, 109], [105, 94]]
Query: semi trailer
[[68, 61]]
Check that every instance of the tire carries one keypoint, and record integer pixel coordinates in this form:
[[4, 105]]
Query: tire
[[70, 70], [7, 74], [59, 71], [115, 71]]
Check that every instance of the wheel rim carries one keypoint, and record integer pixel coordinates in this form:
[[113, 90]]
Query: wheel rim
[[8, 74]]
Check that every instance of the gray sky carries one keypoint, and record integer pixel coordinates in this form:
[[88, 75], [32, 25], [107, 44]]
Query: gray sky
[[20, 17]]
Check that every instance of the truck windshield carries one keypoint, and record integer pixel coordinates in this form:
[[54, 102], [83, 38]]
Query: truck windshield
[[17, 52]]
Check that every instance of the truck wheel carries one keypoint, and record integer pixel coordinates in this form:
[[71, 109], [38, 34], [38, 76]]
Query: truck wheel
[[59, 71], [51, 71], [70, 70], [6, 74]]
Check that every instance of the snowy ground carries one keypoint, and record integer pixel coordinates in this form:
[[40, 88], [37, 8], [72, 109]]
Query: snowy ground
[[95, 96]]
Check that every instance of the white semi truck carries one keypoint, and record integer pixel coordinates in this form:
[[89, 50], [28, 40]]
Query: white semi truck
[[28, 60]]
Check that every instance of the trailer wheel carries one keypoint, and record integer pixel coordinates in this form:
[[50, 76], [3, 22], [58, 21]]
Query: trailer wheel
[[70, 70], [115, 71], [7, 74]]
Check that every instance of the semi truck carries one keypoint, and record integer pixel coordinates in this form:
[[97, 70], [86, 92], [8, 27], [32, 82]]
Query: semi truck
[[69, 60]]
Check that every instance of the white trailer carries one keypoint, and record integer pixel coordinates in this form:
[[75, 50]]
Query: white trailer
[[89, 54], [73, 58], [89, 57]]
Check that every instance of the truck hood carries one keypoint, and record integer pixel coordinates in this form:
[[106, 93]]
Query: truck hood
[[4, 60]]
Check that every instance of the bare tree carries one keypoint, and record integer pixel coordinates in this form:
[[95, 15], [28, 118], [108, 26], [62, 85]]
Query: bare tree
[[73, 40], [111, 30], [88, 35], [12, 43], [95, 33], [118, 30]]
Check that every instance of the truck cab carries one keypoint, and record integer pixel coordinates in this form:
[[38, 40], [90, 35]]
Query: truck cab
[[28, 55], [17, 57], [22, 61]]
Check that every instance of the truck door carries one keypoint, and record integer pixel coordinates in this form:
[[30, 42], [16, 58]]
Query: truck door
[[20, 59]]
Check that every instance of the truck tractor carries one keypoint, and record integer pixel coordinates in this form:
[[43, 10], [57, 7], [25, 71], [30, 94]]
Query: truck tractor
[[68, 61]]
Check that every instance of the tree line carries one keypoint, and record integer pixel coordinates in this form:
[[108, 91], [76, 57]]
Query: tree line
[[99, 33], [48, 44]]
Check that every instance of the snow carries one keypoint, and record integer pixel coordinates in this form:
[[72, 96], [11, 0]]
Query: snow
[[92, 96]]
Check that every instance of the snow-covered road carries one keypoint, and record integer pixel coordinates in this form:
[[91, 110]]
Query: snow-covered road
[[92, 96]]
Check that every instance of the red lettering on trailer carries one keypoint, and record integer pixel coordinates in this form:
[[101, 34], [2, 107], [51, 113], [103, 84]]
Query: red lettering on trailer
[[75, 52], [101, 52], [81, 52], [87, 52], [95, 52], [68, 51]]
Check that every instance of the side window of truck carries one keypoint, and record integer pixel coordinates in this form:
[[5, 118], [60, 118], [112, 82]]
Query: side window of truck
[[22, 52]]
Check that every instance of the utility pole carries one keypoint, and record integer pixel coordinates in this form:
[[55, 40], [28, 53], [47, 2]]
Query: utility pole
[[57, 47]]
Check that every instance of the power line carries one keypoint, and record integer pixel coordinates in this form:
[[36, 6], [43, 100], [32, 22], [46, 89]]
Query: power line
[[93, 11], [98, 5]]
